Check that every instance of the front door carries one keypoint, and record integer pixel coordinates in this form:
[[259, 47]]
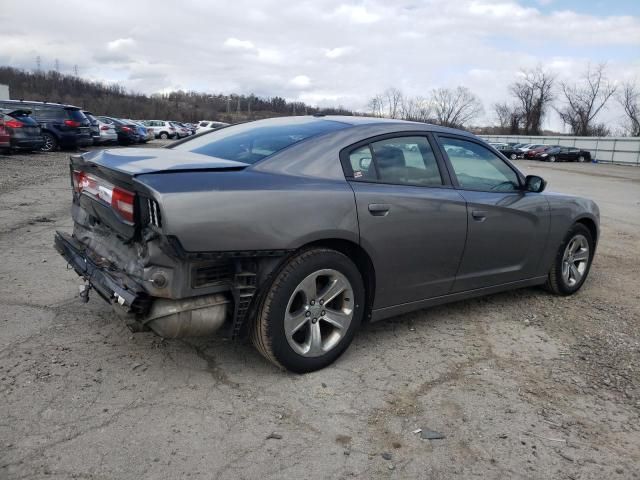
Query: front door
[[412, 222], [507, 227]]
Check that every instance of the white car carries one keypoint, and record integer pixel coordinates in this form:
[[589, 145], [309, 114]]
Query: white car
[[207, 125], [107, 132], [161, 128]]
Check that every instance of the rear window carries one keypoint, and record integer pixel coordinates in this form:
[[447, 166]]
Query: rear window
[[250, 142], [24, 117], [77, 115]]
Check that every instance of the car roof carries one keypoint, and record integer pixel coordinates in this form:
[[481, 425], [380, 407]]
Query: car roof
[[362, 121], [33, 102]]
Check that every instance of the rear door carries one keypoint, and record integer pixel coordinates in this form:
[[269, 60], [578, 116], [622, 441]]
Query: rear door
[[507, 227], [412, 222]]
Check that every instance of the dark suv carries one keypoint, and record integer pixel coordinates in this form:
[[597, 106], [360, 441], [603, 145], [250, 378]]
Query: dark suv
[[62, 125], [22, 130]]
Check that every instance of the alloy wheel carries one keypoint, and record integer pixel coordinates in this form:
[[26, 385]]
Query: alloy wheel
[[319, 313], [575, 260]]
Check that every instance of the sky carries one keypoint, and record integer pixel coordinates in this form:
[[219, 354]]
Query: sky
[[326, 52]]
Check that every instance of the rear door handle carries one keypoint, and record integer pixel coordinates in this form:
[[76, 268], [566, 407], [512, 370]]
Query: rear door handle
[[479, 215], [379, 209]]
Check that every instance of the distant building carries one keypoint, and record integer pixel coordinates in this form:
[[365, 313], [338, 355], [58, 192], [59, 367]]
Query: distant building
[[4, 92]]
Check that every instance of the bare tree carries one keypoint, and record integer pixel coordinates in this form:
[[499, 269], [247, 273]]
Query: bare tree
[[585, 101], [629, 98], [455, 107], [393, 99], [416, 109], [509, 117], [534, 93], [376, 106]]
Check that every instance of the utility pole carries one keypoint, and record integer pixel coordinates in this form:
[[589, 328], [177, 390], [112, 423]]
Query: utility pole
[[75, 70], [38, 63], [56, 65]]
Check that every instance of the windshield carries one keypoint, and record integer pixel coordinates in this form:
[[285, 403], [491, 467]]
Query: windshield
[[253, 141]]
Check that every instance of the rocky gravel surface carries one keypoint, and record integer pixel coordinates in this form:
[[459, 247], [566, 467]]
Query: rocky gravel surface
[[515, 385]]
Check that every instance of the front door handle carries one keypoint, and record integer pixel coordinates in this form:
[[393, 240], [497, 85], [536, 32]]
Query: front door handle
[[379, 209], [479, 215]]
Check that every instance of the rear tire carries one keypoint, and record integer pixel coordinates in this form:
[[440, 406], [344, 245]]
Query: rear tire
[[572, 262], [164, 135], [50, 142], [294, 328], [581, 159], [552, 158], [513, 156]]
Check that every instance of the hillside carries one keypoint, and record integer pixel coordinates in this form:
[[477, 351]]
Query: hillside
[[114, 100]]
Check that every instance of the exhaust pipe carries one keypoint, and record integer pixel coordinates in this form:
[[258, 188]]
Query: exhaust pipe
[[190, 317]]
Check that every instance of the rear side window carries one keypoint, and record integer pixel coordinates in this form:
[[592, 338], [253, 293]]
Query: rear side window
[[399, 161], [48, 113], [250, 142]]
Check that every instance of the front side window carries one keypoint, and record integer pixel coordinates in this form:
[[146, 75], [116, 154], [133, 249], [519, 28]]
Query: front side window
[[477, 168]]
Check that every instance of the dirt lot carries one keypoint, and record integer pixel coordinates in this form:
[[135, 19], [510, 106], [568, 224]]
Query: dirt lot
[[521, 384]]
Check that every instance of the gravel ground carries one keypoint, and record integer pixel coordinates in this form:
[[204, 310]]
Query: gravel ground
[[521, 384]]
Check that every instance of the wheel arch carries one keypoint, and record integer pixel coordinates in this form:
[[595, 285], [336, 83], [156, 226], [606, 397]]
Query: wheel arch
[[355, 252], [591, 226]]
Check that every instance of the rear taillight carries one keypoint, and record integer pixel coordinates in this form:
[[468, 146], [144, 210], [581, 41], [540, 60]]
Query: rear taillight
[[126, 129], [72, 123], [121, 200], [104, 127], [14, 124]]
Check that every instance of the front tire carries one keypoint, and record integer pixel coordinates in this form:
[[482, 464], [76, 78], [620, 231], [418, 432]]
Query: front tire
[[311, 311], [572, 262], [552, 158], [164, 135], [513, 156]]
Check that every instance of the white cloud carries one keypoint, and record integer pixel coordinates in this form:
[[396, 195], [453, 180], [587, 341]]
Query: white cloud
[[338, 52], [236, 43], [120, 44], [357, 14], [301, 81]]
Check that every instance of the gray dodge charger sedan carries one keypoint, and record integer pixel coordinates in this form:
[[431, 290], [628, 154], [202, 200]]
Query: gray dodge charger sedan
[[293, 231]]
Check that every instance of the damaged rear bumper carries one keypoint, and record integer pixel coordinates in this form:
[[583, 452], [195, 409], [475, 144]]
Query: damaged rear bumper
[[194, 316]]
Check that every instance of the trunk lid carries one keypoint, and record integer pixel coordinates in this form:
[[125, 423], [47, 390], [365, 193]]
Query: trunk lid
[[110, 174], [138, 161]]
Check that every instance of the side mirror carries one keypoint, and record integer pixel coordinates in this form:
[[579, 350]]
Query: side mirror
[[365, 162], [534, 183]]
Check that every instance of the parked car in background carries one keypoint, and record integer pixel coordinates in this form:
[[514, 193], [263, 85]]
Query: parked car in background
[[23, 131], [530, 146], [512, 152], [62, 125], [208, 125], [95, 128], [127, 134], [107, 132], [565, 154], [5, 144], [144, 134], [531, 153], [181, 131], [161, 128], [292, 231]]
